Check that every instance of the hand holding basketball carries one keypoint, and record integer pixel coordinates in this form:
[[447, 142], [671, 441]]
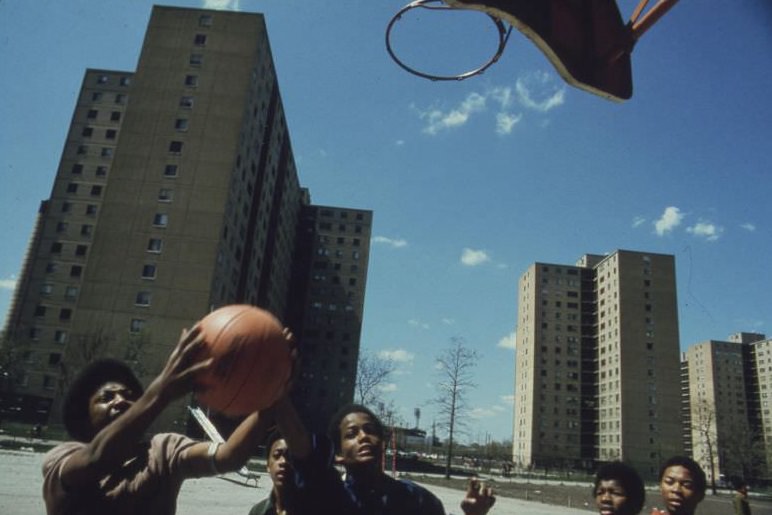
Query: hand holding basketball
[[252, 360]]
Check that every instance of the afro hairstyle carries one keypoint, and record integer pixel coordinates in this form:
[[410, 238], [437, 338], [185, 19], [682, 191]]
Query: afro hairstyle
[[75, 411]]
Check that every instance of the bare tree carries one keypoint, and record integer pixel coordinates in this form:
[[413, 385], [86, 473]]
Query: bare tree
[[372, 373], [455, 366], [705, 437]]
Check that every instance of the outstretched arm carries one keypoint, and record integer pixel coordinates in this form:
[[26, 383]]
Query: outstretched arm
[[116, 442], [479, 499], [206, 459]]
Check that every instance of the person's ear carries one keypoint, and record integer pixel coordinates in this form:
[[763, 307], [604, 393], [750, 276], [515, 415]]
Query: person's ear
[[338, 459]]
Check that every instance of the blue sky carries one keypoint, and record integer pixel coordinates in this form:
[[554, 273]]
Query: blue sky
[[470, 181]]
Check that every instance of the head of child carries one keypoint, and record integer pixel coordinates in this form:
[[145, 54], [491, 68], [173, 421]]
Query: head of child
[[277, 463], [101, 392], [618, 490], [682, 484], [357, 434]]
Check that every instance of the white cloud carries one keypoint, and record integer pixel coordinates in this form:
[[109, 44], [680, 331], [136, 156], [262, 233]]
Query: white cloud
[[638, 221], [508, 341], [707, 230], [418, 323], [448, 321], [399, 142], [388, 387], [483, 412], [507, 399], [506, 121], [502, 95], [8, 284], [438, 120], [748, 227], [670, 219], [471, 257], [392, 242], [222, 5], [398, 355], [540, 91]]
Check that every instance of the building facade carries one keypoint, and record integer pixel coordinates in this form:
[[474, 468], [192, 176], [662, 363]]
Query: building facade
[[177, 193], [597, 363], [729, 424]]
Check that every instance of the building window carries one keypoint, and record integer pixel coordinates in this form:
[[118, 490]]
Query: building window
[[71, 292], [120, 98], [100, 171], [160, 220], [191, 81], [56, 247], [196, 59], [40, 311], [111, 134], [60, 336], [205, 20], [81, 250], [54, 359], [181, 124], [125, 81], [72, 187], [107, 152], [92, 114], [154, 245], [46, 289], [86, 230], [96, 96], [148, 272], [87, 132], [82, 150], [77, 169], [49, 383], [143, 298], [91, 209], [175, 147], [170, 171], [52, 268], [165, 195], [61, 227], [137, 325], [115, 116], [199, 40], [96, 190], [102, 79], [76, 271], [186, 102], [65, 314]]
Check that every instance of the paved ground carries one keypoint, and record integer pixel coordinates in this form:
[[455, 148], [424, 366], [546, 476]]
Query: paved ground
[[21, 483]]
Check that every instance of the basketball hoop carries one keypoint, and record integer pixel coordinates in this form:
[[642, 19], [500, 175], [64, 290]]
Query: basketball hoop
[[503, 33]]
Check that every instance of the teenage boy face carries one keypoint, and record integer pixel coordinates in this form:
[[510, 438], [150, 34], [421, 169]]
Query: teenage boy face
[[360, 443], [110, 401], [278, 467], [611, 498], [678, 491]]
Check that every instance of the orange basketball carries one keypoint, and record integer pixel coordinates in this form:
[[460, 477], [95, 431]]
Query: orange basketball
[[252, 362]]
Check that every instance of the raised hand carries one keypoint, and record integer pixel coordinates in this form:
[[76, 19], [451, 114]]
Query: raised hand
[[479, 498], [179, 373]]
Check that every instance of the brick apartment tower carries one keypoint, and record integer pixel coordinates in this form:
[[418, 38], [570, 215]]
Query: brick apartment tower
[[597, 363], [730, 425], [177, 193]]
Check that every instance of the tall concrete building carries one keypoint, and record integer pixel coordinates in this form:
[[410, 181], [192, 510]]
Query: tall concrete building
[[177, 193], [730, 420], [597, 363]]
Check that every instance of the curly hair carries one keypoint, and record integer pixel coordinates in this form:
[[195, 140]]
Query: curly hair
[[75, 410], [629, 479]]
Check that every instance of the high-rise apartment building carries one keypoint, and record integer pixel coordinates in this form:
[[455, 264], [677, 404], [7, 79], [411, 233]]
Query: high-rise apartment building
[[730, 419], [597, 363], [177, 193]]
